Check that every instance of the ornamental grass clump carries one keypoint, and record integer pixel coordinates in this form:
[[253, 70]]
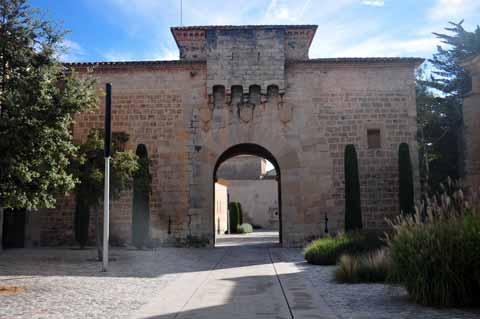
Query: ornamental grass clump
[[369, 267], [327, 251], [435, 254]]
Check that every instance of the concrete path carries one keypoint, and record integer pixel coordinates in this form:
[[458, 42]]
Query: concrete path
[[260, 238], [249, 281]]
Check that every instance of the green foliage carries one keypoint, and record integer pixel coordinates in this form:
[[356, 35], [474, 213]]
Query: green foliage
[[88, 168], [240, 214], [439, 104], [371, 267], [141, 198], [405, 176], [327, 251], [353, 210], [435, 253], [244, 228], [234, 211], [38, 100], [81, 222]]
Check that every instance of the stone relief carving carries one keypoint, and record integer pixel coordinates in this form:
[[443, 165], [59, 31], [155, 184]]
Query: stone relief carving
[[284, 112], [245, 111], [244, 104]]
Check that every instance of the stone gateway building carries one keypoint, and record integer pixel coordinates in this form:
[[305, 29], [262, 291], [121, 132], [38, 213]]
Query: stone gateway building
[[251, 90]]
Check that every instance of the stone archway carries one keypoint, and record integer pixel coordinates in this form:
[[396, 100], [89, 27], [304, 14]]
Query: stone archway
[[255, 150], [265, 142]]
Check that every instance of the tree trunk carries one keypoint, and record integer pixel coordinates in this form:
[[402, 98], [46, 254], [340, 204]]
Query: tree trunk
[[99, 234]]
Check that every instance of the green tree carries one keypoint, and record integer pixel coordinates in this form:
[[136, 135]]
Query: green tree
[[240, 213], [353, 209], [405, 176], [38, 99], [439, 105], [234, 216], [89, 168], [141, 198]]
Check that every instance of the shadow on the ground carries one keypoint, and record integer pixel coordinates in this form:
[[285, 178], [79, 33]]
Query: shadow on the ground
[[130, 262]]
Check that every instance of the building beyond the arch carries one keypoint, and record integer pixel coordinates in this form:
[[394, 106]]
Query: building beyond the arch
[[251, 84]]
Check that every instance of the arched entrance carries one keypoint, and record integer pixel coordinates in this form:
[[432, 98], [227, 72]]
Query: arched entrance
[[254, 150]]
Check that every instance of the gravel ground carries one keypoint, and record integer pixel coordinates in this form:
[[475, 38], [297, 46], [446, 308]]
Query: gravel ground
[[372, 301], [63, 283]]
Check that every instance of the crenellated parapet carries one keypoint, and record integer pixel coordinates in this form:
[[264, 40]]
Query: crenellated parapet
[[245, 55]]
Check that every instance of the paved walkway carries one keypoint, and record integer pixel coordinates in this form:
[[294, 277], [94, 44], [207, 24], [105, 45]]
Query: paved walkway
[[245, 277], [257, 238], [250, 281]]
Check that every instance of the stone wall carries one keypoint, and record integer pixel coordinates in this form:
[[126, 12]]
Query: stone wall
[[259, 200], [335, 105], [302, 128], [245, 57], [242, 167], [153, 104], [471, 116]]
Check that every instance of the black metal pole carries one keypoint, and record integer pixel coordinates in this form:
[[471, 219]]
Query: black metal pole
[[106, 195], [108, 120]]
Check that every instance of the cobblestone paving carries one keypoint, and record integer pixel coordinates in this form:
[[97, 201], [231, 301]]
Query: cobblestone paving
[[369, 301], [63, 283]]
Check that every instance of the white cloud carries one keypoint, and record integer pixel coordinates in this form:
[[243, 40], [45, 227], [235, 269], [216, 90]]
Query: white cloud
[[389, 47], [374, 3], [342, 31], [116, 56], [163, 53], [70, 51], [453, 9], [166, 54]]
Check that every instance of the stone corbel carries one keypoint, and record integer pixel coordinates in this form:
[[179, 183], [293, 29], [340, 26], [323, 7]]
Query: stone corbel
[[228, 99], [284, 110], [263, 98]]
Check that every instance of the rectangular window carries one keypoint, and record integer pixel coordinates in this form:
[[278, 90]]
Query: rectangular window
[[373, 138]]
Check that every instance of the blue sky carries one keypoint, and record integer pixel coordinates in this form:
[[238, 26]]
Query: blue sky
[[119, 30]]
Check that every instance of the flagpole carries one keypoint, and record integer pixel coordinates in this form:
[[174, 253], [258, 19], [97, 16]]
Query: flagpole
[[106, 195]]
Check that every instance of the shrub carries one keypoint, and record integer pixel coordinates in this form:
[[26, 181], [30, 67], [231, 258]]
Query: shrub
[[234, 217], [141, 198], [353, 210], [327, 251], [244, 228], [370, 267], [405, 175], [436, 252]]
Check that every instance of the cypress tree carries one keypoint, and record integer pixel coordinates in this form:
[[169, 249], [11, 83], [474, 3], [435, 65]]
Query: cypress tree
[[353, 211], [405, 178], [240, 214], [141, 198], [234, 217]]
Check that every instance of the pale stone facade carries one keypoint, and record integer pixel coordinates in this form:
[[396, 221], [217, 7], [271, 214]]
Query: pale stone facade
[[252, 90], [259, 200], [221, 207], [248, 184], [471, 118]]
